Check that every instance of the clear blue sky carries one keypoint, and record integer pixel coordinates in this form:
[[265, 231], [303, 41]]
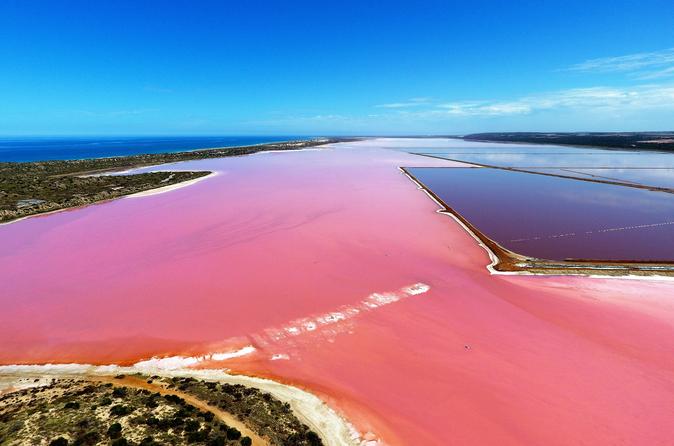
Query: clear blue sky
[[338, 67]]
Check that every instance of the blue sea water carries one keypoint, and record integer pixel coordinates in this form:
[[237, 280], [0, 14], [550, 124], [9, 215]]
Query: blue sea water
[[66, 148]]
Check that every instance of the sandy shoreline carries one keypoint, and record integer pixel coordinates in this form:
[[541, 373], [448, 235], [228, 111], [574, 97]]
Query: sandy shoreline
[[146, 193], [333, 429], [163, 189]]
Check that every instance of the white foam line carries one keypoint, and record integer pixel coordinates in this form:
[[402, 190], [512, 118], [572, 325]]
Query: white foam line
[[344, 313], [494, 260], [235, 354], [333, 429], [180, 362]]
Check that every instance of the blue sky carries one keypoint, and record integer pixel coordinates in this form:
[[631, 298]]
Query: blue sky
[[347, 67]]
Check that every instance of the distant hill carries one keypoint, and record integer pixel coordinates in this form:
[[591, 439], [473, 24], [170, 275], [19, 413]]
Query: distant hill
[[663, 141]]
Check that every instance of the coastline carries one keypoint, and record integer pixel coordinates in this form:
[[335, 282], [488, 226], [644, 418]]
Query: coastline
[[333, 428], [301, 146], [140, 194]]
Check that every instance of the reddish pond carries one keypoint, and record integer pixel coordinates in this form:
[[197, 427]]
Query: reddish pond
[[347, 282]]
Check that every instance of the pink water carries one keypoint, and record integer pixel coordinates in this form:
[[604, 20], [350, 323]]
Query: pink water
[[277, 240]]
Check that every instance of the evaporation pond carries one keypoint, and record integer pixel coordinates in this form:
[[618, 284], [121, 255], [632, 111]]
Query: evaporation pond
[[558, 218]]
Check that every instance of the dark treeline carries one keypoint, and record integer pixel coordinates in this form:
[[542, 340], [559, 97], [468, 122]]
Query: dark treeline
[[662, 141]]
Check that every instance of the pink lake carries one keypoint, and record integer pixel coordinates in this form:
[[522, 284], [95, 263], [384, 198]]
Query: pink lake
[[338, 270]]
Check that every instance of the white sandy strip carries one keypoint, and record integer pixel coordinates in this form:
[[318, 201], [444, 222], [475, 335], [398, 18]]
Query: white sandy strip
[[161, 190], [131, 171], [333, 429], [308, 149], [494, 259], [39, 215]]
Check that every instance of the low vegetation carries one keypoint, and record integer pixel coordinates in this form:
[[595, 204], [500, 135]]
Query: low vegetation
[[45, 186], [68, 412], [263, 413]]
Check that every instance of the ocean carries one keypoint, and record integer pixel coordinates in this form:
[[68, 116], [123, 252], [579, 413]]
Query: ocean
[[18, 149]]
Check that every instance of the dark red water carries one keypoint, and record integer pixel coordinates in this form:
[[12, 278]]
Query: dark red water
[[557, 218]]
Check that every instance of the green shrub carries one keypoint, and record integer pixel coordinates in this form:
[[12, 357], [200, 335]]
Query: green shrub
[[217, 441], [147, 441], [152, 421], [313, 439], [233, 433], [119, 392], [208, 416], [191, 425], [198, 436], [119, 410], [60, 441], [87, 439], [246, 441], [115, 430], [174, 399]]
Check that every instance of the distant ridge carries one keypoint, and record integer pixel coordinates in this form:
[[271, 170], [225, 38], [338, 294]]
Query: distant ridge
[[661, 141]]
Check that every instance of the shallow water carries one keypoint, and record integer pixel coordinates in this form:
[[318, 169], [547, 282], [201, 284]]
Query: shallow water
[[649, 177], [279, 240], [647, 168], [558, 218], [607, 158]]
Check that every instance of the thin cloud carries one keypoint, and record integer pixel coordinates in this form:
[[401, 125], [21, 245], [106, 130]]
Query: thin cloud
[[413, 102], [605, 99], [628, 62], [650, 65], [665, 72]]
